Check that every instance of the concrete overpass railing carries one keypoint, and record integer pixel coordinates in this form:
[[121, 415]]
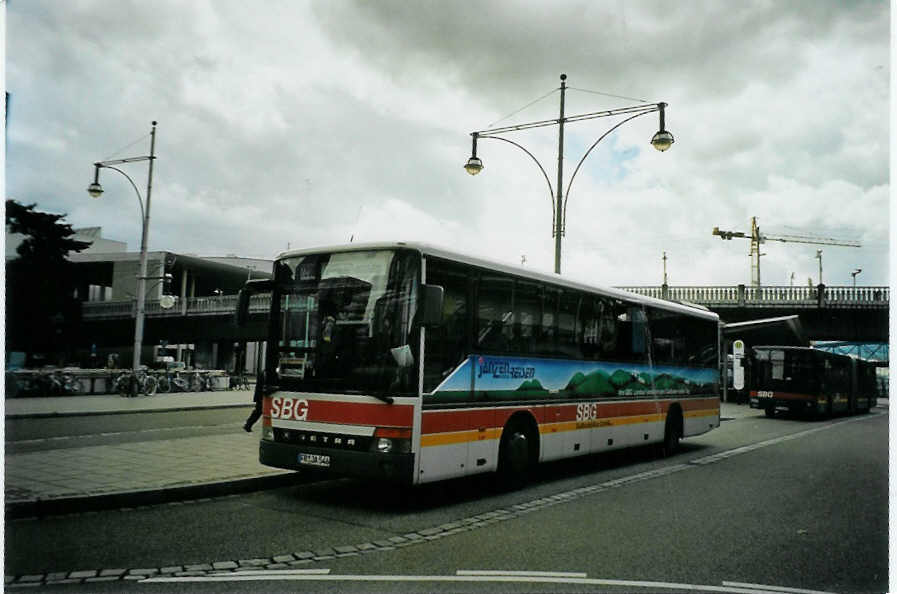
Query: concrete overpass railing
[[721, 296], [792, 297], [194, 306]]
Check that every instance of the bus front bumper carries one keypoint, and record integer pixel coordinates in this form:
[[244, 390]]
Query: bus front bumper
[[396, 468]]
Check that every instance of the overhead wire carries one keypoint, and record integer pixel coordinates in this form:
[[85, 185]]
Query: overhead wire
[[124, 148], [530, 104], [608, 94]]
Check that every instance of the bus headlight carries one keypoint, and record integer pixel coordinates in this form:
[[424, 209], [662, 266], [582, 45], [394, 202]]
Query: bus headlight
[[392, 440], [268, 433]]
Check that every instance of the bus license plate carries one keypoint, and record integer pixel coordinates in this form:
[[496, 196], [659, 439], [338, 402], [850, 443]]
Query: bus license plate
[[314, 460]]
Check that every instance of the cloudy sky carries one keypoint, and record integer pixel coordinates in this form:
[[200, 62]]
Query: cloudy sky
[[290, 123]]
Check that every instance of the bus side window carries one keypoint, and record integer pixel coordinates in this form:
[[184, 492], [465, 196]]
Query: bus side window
[[527, 317], [547, 340], [587, 329], [568, 311], [446, 343], [494, 313], [607, 329]]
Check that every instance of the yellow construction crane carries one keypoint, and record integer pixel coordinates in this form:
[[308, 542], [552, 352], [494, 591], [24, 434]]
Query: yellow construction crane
[[757, 238]]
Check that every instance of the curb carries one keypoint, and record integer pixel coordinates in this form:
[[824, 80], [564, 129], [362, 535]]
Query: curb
[[128, 499]]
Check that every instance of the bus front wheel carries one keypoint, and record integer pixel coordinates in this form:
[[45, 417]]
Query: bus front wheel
[[515, 455]]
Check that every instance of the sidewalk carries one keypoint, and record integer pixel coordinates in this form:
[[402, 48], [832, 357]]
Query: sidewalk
[[114, 404], [77, 479]]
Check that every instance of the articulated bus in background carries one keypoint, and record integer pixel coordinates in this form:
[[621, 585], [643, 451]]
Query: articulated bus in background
[[414, 364], [810, 381]]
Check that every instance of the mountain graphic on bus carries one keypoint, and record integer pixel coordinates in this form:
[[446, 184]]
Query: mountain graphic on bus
[[599, 383], [483, 377], [532, 385]]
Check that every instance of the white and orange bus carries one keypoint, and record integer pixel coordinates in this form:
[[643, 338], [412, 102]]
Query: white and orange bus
[[414, 364]]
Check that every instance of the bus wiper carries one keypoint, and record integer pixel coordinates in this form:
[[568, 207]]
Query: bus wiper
[[383, 397]]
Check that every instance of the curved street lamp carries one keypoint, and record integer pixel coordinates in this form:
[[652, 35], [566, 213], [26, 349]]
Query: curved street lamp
[[854, 276], [662, 140], [96, 190]]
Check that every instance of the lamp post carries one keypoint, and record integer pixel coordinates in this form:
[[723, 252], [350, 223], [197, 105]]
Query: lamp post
[[662, 140], [96, 190], [854, 276]]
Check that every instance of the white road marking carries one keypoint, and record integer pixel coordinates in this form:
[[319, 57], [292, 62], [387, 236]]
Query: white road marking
[[775, 588], [492, 572], [504, 577], [271, 572]]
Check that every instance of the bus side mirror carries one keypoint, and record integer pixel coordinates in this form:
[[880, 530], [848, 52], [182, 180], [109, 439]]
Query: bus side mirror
[[431, 304], [259, 285]]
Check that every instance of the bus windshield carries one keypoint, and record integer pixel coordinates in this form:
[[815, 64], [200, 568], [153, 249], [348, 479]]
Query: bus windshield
[[343, 322]]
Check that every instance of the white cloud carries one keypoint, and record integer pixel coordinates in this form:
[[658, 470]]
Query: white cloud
[[279, 126]]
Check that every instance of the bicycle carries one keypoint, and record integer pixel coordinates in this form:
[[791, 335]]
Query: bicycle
[[239, 381], [146, 383], [169, 382]]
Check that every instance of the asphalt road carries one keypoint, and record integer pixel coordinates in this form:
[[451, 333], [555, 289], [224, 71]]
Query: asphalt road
[[780, 502]]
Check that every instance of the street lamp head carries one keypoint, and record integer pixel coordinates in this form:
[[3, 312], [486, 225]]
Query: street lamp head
[[473, 166], [662, 140], [95, 189]]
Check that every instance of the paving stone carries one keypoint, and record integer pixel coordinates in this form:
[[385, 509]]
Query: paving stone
[[277, 566], [346, 549], [135, 577], [37, 577], [58, 575], [172, 569], [341, 555], [109, 578], [366, 546], [385, 543], [143, 571], [430, 531], [190, 574], [322, 552], [304, 555], [68, 581], [253, 562], [115, 572], [198, 567], [283, 558], [89, 573], [224, 565], [300, 562]]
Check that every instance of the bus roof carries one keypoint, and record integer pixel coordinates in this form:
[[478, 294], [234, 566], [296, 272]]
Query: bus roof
[[439, 252]]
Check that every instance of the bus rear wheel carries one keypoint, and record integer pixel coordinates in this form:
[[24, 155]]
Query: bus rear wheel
[[672, 432], [515, 456], [770, 411]]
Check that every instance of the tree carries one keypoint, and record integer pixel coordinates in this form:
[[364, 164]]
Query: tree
[[42, 314]]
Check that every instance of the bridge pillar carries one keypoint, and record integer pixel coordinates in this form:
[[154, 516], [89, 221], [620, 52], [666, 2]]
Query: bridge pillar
[[820, 295], [741, 295]]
